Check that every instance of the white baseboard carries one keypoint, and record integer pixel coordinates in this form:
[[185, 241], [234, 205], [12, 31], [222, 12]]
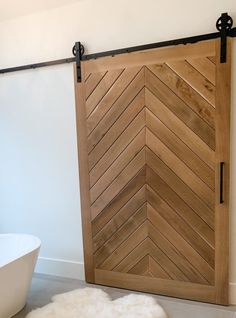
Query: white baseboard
[[232, 293], [60, 267]]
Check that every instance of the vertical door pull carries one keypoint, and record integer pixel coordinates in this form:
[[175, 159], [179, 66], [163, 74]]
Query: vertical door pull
[[221, 182]]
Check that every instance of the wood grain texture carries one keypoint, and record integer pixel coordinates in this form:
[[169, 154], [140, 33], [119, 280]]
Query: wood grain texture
[[84, 178], [153, 127], [119, 202], [193, 210], [185, 91], [118, 184], [156, 285], [149, 57], [183, 172], [182, 151], [178, 107], [118, 165], [114, 102], [223, 94], [92, 82], [116, 130], [117, 147], [101, 90], [121, 217], [205, 67], [192, 140], [169, 207], [195, 79]]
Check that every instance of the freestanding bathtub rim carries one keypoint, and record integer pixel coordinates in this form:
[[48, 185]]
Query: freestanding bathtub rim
[[32, 238], [18, 256]]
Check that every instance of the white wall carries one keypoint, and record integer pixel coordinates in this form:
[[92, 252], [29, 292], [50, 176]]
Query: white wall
[[38, 161], [14, 8], [39, 182]]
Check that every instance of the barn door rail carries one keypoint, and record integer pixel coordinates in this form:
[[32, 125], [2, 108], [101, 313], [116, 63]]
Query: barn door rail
[[224, 26]]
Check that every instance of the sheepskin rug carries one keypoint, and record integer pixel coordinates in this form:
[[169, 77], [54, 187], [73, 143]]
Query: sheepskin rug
[[95, 303]]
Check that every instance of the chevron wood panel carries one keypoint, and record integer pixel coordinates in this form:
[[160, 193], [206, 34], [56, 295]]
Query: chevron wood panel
[[141, 267], [118, 165], [195, 79], [183, 90], [150, 132], [193, 141], [116, 100], [101, 89], [205, 67], [119, 202], [127, 211]]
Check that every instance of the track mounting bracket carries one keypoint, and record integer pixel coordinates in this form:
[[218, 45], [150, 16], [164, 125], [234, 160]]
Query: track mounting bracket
[[78, 51], [224, 25]]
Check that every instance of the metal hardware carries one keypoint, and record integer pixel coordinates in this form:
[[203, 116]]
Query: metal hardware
[[221, 182], [224, 25], [78, 51], [184, 41], [37, 65]]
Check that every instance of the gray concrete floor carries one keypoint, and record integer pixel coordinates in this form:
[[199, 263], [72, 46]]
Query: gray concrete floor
[[44, 287]]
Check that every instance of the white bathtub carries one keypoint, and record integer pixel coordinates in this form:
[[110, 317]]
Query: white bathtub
[[18, 255]]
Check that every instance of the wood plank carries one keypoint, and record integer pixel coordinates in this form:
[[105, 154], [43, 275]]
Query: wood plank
[[176, 125], [179, 242], [183, 152], [162, 241], [116, 100], [141, 267], [212, 58], [184, 91], [198, 214], [119, 201], [156, 285], [161, 55], [198, 82], [92, 82], [205, 67], [223, 94], [125, 248], [118, 165], [171, 215], [165, 262], [118, 184], [182, 171], [84, 177], [161, 258], [156, 270], [133, 258], [116, 130], [112, 243], [119, 218], [180, 109], [116, 149], [87, 77], [101, 90]]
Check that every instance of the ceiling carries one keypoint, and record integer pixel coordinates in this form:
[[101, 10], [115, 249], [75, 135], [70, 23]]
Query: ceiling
[[10, 9]]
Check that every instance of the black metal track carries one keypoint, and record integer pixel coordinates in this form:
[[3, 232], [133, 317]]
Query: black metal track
[[187, 40], [37, 65]]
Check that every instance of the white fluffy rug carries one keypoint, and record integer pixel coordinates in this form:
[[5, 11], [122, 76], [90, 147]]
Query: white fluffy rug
[[95, 303]]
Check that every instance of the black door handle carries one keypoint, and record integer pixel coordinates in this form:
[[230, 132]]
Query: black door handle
[[222, 182]]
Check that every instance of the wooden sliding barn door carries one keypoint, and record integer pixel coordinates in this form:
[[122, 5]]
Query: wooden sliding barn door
[[153, 129]]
